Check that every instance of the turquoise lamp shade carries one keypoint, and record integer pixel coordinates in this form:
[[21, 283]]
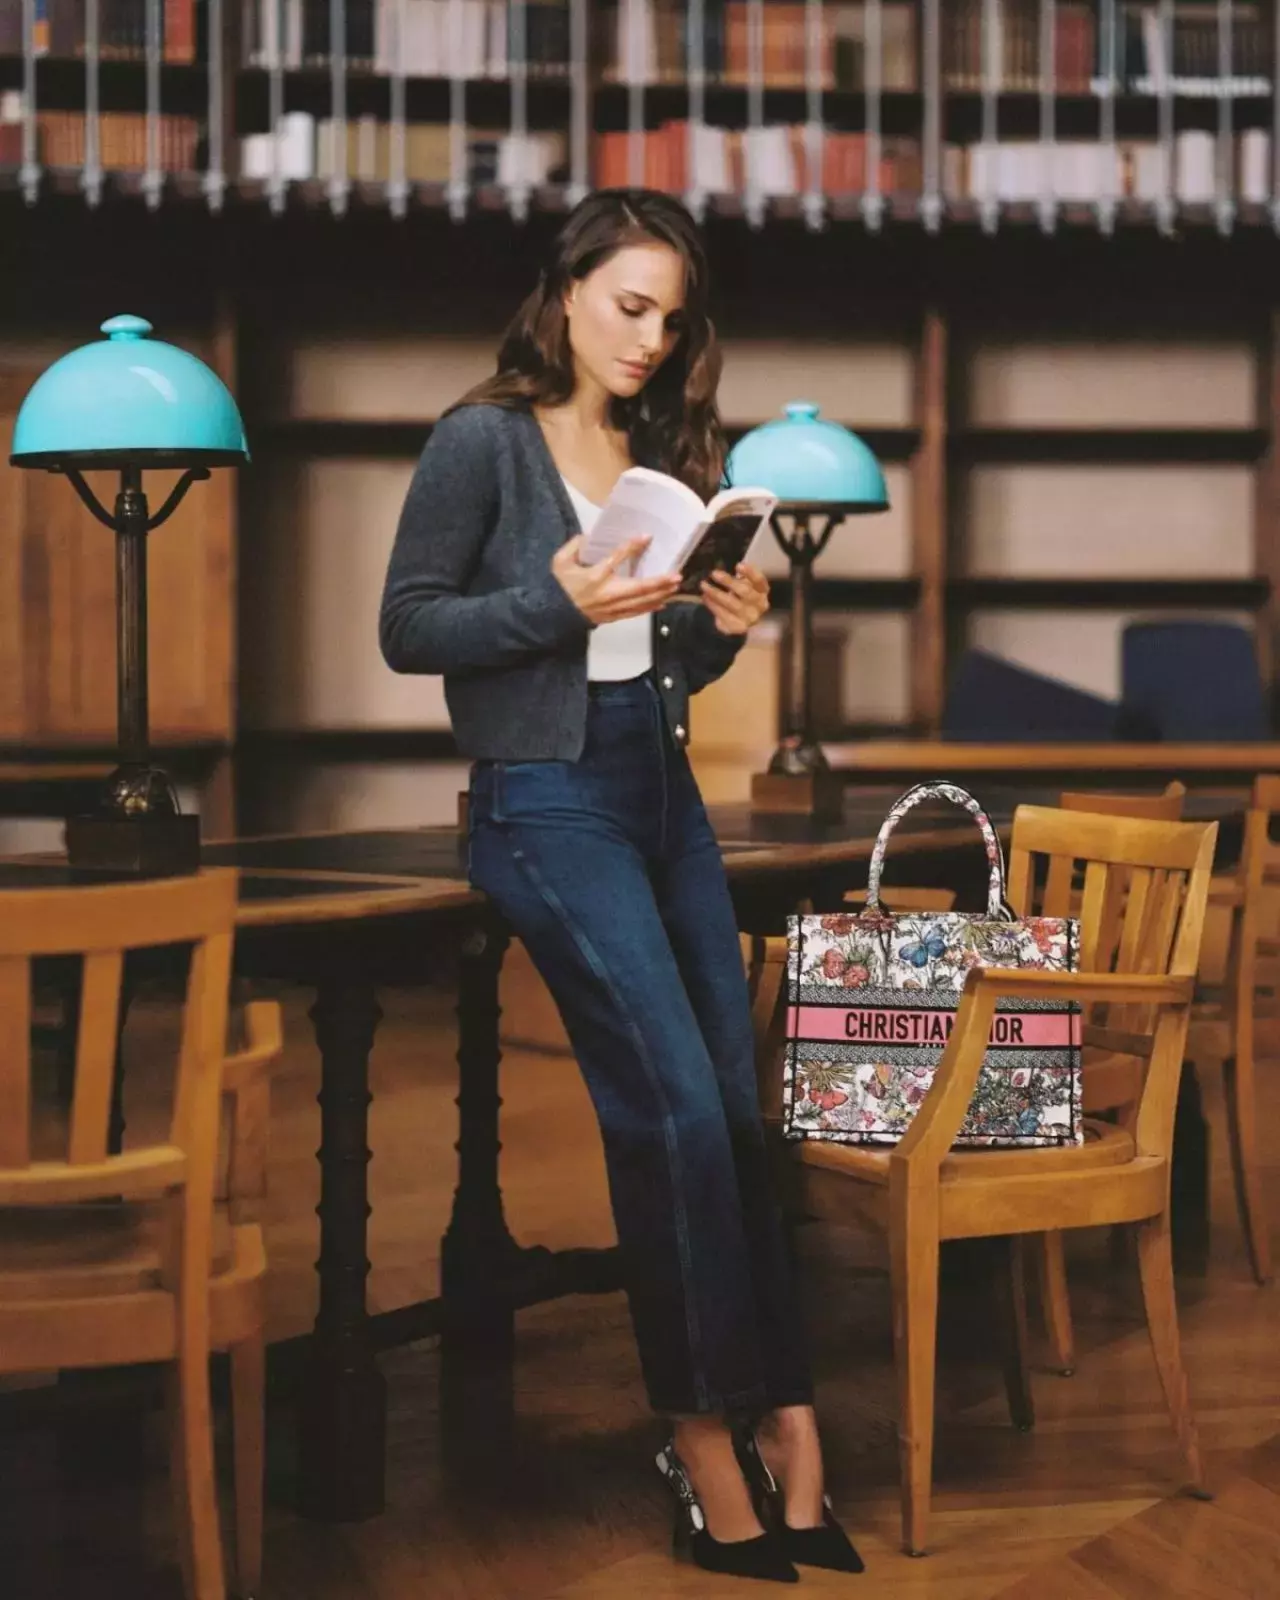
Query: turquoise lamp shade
[[805, 459], [128, 399]]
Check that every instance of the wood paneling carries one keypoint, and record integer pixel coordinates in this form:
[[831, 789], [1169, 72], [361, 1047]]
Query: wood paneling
[[929, 525]]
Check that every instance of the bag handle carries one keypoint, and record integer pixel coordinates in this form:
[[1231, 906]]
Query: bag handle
[[997, 910]]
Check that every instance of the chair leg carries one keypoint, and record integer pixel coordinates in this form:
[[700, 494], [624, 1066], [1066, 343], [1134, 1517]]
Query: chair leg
[[914, 1285], [248, 1385], [1011, 1284], [1155, 1264], [195, 1491], [1055, 1302], [1242, 1124]]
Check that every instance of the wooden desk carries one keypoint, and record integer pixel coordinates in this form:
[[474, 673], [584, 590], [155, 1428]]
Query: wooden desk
[[346, 912], [915, 759]]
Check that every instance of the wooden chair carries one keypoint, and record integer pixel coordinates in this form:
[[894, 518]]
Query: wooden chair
[[1224, 1023], [114, 1259], [1164, 807], [1223, 1020], [1110, 1078], [921, 1191]]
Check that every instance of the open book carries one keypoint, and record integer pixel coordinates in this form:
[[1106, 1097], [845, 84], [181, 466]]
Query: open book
[[685, 535]]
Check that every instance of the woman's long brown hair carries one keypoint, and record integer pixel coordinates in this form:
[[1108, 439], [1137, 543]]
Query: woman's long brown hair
[[672, 424]]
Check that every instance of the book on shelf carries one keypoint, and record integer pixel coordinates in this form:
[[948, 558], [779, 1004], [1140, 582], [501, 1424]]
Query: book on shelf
[[58, 29], [772, 161], [306, 147], [1126, 50], [61, 141], [654, 43], [11, 109], [1009, 54], [1085, 171], [684, 535], [421, 38]]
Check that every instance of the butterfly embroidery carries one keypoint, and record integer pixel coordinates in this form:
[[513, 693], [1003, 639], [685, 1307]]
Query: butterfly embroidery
[[928, 948]]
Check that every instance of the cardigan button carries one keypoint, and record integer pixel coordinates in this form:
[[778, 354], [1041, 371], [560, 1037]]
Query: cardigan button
[[665, 630], [680, 733], [668, 683]]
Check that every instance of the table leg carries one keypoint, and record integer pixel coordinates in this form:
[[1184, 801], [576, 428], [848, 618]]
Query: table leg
[[343, 1414], [478, 1256]]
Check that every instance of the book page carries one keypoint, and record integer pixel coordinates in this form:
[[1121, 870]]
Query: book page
[[733, 536], [645, 502]]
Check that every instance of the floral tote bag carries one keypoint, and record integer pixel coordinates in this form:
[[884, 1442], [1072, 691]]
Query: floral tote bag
[[872, 998]]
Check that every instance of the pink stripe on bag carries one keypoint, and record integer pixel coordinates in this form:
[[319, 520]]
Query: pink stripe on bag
[[1010, 1030]]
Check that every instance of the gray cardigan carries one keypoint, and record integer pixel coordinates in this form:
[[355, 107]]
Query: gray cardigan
[[470, 594]]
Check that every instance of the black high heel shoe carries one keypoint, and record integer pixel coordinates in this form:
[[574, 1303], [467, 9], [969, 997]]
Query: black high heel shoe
[[761, 1557], [827, 1546]]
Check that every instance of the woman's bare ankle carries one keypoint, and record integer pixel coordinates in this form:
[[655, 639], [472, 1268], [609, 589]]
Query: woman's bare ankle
[[789, 1443], [705, 1446]]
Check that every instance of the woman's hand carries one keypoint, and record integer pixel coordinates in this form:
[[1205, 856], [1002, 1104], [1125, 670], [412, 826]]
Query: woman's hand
[[599, 593], [737, 600]]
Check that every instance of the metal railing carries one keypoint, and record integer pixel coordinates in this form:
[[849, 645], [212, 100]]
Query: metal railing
[[736, 134]]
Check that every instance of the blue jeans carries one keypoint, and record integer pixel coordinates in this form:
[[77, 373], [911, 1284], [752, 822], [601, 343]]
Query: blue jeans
[[607, 869]]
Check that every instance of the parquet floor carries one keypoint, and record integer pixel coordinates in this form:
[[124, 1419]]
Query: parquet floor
[[569, 1507]]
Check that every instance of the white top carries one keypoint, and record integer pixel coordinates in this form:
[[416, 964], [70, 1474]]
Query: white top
[[615, 650]]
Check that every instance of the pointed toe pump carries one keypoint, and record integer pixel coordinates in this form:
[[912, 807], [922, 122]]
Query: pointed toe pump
[[761, 1557], [827, 1546]]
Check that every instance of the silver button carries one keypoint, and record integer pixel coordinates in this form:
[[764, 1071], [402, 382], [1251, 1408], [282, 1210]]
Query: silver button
[[680, 733], [664, 630], [668, 683]]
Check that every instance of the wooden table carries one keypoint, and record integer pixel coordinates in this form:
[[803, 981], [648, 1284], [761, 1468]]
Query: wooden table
[[1080, 765], [346, 912]]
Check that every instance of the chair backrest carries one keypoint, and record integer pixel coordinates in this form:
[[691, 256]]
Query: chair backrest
[[1166, 807], [1155, 859], [1191, 679], [102, 924], [1165, 867]]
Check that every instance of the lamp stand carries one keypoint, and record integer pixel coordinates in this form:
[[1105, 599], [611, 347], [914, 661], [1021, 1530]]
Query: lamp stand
[[137, 829], [798, 780]]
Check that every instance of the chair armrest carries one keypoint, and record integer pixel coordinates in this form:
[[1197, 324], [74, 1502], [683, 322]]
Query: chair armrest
[[1120, 987], [265, 1035], [935, 1126]]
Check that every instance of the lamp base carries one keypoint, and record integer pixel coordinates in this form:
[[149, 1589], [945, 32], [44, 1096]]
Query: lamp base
[[819, 795], [155, 844]]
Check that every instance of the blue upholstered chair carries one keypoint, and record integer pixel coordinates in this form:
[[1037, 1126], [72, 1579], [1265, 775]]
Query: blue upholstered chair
[[991, 699], [1191, 679]]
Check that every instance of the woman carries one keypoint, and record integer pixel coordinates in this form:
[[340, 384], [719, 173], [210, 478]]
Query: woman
[[568, 687]]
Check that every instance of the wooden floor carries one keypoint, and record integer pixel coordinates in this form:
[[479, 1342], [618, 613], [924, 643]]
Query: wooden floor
[[570, 1507]]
